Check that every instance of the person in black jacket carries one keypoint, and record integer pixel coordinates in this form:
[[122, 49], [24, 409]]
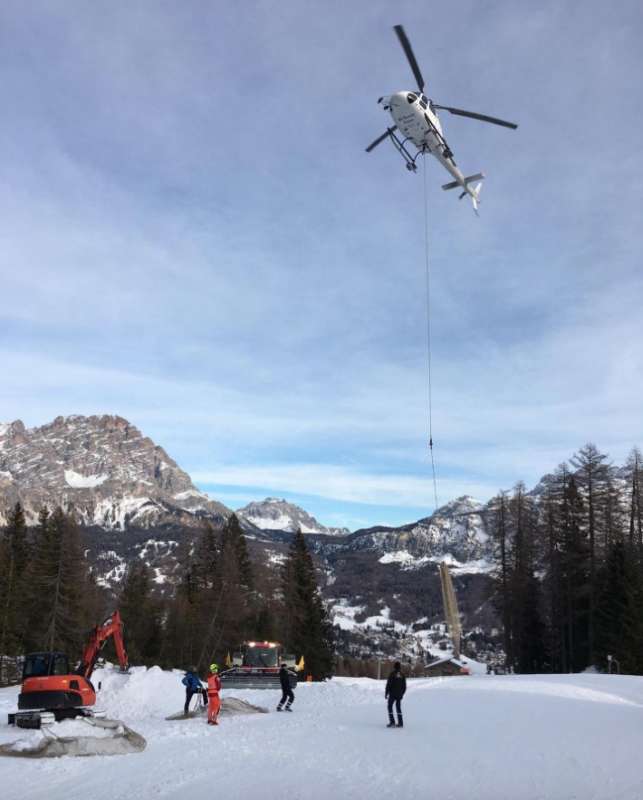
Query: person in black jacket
[[395, 688], [287, 693]]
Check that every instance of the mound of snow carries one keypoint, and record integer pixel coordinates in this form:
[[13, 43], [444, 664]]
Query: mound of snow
[[76, 737]]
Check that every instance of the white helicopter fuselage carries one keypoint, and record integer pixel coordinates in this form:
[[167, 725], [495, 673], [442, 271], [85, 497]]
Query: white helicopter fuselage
[[418, 122]]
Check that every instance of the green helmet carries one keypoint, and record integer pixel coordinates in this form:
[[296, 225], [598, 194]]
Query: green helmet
[[214, 667]]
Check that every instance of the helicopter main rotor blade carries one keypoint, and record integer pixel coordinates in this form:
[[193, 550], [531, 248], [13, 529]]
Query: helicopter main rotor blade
[[381, 138], [473, 115], [410, 55]]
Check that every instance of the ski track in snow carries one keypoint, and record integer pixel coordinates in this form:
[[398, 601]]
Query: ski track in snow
[[561, 737]]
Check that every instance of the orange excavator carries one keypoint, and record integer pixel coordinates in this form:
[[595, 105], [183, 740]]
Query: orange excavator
[[52, 692]]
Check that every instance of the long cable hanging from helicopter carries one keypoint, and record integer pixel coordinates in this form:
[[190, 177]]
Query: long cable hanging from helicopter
[[415, 118], [427, 274]]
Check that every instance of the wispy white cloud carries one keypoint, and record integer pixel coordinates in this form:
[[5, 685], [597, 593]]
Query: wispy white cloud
[[343, 484]]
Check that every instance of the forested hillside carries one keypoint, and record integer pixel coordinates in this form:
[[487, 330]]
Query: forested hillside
[[559, 569], [49, 599], [569, 566]]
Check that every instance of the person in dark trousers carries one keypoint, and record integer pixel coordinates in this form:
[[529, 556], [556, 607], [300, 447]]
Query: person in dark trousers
[[192, 684], [287, 693], [395, 689]]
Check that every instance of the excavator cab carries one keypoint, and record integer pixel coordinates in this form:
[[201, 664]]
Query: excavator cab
[[39, 665]]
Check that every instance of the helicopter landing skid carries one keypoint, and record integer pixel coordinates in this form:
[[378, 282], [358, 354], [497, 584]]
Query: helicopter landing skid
[[400, 146]]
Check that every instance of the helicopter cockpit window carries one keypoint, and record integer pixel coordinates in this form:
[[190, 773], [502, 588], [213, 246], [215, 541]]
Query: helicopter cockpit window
[[411, 98]]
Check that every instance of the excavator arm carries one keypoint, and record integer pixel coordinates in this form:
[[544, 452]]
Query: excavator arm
[[112, 626]]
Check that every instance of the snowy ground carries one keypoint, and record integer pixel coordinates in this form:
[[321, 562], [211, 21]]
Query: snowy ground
[[479, 737]]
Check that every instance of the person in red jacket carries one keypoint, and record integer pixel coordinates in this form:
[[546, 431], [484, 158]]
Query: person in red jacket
[[214, 701]]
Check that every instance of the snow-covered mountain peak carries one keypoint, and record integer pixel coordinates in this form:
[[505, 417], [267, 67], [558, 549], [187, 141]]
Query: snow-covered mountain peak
[[456, 533], [279, 515], [457, 526], [461, 505]]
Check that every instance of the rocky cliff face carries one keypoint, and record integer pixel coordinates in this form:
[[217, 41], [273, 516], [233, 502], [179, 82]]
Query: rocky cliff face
[[103, 468]]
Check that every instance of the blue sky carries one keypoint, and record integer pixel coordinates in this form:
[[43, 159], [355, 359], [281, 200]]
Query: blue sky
[[193, 238]]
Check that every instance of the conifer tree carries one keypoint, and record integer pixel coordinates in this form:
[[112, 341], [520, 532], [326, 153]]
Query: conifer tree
[[592, 475], [232, 600], [614, 516], [308, 630], [215, 604], [531, 651], [37, 566], [635, 479], [180, 646], [575, 580], [14, 555], [184, 625], [619, 618], [233, 537], [58, 586], [502, 576], [552, 561], [205, 561], [527, 639], [141, 615]]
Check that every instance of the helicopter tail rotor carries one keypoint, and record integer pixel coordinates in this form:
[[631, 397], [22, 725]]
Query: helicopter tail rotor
[[474, 194]]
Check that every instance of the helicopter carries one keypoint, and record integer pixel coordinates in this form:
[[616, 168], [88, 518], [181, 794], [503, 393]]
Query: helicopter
[[416, 120]]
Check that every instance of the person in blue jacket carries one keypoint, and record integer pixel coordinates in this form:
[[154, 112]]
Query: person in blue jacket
[[192, 684]]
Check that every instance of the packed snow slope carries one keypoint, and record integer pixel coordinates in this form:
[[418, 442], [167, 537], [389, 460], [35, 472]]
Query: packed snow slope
[[489, 738]]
